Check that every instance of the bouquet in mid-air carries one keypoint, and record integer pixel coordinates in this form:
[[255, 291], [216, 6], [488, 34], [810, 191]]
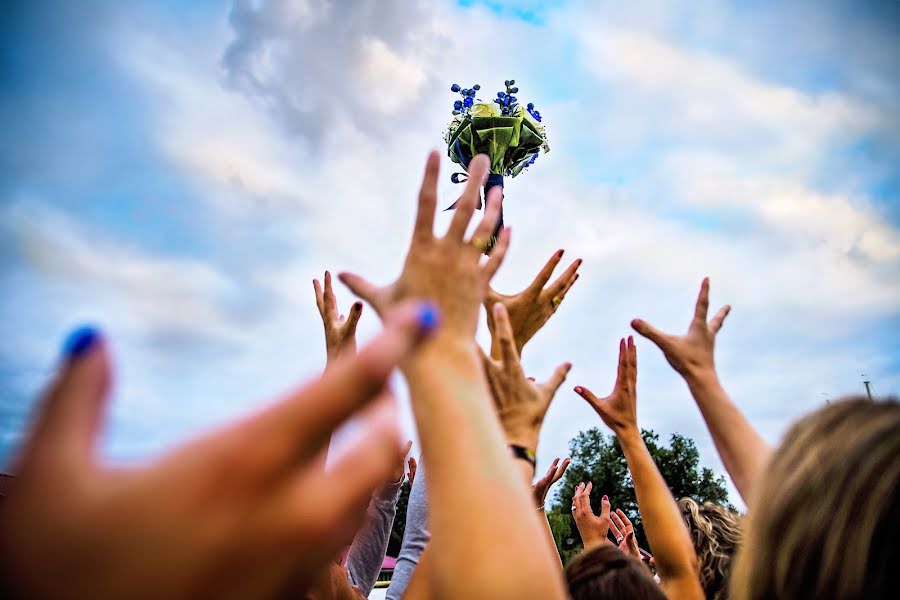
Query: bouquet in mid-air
[[510, 135]]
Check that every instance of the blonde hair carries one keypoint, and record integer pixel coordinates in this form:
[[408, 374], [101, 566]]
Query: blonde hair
[[716, 533], [824, 522]]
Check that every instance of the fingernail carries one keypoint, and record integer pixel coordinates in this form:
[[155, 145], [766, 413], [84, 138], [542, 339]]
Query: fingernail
[[606, 498], [429, 317], [80, 341], [559, 252], [578, 390]]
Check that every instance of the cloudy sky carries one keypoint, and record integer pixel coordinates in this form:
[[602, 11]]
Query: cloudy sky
[[179, 172]]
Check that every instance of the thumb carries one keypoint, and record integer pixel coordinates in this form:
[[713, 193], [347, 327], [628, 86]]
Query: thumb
[[359, 286], [650, 332], [72, 410], [604, 507]]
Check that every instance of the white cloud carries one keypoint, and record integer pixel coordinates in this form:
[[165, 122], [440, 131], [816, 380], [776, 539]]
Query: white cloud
[[315, 143]]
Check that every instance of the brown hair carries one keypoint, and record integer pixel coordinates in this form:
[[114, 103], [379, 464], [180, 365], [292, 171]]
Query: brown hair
[[716, 533], [606, 572], [824, 521]]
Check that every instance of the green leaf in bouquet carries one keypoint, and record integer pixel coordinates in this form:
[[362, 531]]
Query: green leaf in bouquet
[[494, 136]]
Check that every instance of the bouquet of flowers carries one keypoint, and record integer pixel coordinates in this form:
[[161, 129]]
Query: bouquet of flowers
[[510, 135]]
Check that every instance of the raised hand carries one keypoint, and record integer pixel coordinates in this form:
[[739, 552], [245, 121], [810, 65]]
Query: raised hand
[[690, 354], [623, 531], [521, 403], [540, 487], [533, 306], [340, 332], [592, 528], [235, 513], [619, 409], [445, 270]]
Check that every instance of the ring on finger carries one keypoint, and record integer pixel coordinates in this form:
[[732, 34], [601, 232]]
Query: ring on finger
[[619, 540], [556, 300]]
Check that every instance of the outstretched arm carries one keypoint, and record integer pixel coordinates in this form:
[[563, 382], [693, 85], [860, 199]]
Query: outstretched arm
[[676, 560], [743, 451], [469, 467]]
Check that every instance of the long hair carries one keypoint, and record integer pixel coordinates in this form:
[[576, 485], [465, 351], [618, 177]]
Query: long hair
[[606, 572], [824, 522], [716, 533]]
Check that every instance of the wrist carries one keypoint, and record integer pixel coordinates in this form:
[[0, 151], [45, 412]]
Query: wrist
[[701, 375], [629, 437]]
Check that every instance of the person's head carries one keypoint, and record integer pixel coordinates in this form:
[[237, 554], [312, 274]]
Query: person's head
[[606, 572], [824, 522], [716, 533]]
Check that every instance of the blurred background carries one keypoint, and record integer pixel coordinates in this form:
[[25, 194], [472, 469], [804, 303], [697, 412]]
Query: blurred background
[[178, 172]]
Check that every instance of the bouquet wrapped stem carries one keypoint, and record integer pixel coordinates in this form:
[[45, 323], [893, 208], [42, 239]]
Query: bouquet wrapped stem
[[511, 137]]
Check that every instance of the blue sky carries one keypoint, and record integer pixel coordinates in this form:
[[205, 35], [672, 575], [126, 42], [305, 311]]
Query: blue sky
[[178, 173]]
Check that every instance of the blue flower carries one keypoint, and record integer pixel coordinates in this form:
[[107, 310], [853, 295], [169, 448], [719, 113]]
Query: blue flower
[[500, 95], [457, 105], [476, 87], [530, 106], [468, 102], [471, 93], [454, 87]]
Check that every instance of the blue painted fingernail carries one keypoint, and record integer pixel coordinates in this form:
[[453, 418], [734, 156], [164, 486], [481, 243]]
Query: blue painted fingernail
[[429, 317], [80, 341]]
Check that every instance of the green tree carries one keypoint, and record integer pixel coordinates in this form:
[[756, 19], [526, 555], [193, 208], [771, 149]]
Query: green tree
[[599, 459]]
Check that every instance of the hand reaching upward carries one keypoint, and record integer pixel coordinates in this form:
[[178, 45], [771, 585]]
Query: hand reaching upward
[[445, 270], [340, 332], [692, 353], [531, 308]]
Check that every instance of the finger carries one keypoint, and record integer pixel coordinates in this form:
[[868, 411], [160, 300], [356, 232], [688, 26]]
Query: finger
[[557, 379], [353, 319], [557, 286], [334, 518], [625, 519], [544, 276], [424, 228], [614, 528], [330, 300], [616, 524], [73, 407], [493, 206], [491, 267], [604, 507], [716, 324], [588, 395], [478, 170], [503, 331], [560, 471], [413, 467], [560, 296], [632, 362], [406, 448], [651, 333], [360, 287], [301, 424], [702, 301], [552, 470], [320, 298], [622, 372]]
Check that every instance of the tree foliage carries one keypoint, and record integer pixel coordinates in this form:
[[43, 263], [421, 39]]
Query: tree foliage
[[599, 459]]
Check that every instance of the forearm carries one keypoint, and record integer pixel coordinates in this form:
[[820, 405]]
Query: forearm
[[669, 539], [742, 450], [370, 543], [483, 497]]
